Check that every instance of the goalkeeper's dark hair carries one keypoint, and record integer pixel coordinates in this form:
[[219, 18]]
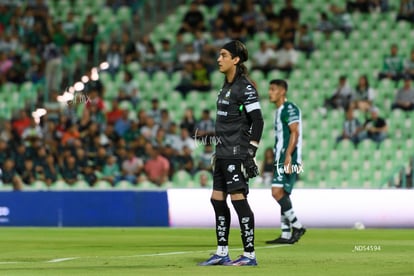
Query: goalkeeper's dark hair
[[281, 83], [238, 49]]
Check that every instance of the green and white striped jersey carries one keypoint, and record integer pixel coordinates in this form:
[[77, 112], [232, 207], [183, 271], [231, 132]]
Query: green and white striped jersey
[[287, 114]]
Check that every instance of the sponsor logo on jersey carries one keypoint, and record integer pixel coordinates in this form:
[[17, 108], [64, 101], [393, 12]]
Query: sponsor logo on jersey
[[228, 94], [251, 95], [231, 168], [222, 113]]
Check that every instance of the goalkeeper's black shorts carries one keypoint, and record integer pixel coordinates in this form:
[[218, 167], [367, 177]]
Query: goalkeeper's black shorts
[[228, 176]]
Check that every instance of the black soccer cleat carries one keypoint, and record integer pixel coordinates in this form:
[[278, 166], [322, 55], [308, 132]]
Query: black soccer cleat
[[279, 240], [297, 233]]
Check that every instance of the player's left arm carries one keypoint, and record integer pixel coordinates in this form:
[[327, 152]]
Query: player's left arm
[[293, 141], [254, 111], [257, 126]]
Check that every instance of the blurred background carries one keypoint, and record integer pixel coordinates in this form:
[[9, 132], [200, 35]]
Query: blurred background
[[121, 94]]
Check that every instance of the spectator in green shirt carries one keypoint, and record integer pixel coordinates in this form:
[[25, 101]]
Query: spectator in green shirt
[[393, 65]]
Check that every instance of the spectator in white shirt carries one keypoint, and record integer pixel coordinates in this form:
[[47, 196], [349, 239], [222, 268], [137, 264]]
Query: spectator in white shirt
[[189, 55], [405, 97], [363, 96], [286, 58], [32, 134], [264, 58], [185, 140]]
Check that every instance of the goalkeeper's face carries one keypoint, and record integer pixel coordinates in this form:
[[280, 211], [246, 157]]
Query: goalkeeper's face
[[225, 61]]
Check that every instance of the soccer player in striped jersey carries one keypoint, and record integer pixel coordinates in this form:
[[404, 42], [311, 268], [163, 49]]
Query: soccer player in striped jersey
[[288, 148]]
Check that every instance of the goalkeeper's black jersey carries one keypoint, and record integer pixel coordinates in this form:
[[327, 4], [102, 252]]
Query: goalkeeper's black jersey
[[233, 124]]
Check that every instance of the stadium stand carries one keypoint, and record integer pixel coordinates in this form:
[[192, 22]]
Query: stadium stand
[[310, 82]]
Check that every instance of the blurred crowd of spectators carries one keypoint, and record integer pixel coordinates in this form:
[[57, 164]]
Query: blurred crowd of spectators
[[105, 143]]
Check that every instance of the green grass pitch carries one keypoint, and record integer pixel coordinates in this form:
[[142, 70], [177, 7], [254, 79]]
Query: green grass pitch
[[170, 251]]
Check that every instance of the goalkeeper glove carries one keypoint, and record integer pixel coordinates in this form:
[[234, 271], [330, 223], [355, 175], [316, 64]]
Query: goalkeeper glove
[[249, 166]]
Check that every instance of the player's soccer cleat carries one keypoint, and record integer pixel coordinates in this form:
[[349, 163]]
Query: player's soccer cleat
[[243, 261], [279, 240], [297, 233], [216, 260]]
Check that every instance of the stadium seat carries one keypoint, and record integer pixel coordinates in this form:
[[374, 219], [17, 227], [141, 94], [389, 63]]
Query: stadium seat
[[345, 145], [216, 79], [145, 185], [174, 97], [5, 110], [8, 87], [102, 185], [81, 185], [196, 179], [180, 11], [6, 187], [124, 185], [126, 105], [355, 180], [275, 74], [182, 179], [60, 185], [134, 67], [175, 78], [257, 75], [409, 146], [172, 22], [104, 16], [124, 14], [379, 177], [37, 185], [330, 179], [367, 147]]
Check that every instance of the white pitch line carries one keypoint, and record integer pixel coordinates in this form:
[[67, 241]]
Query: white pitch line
[[193, 252], [59, 260], [62, 260]]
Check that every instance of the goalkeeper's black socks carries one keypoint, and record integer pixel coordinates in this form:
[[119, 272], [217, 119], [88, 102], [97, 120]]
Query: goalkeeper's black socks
[[246, 220], [223, 219]]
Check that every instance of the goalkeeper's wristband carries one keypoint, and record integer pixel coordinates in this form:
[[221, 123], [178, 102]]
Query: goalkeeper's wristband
[[251, 149], [254, 143]]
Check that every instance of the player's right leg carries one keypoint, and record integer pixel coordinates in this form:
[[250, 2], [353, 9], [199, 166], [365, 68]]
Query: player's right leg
[[238, 189], [286, 233], [282, 186], [222, 217]]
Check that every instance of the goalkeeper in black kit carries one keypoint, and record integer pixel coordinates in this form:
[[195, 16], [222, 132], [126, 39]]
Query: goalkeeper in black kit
[[239, 127]]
